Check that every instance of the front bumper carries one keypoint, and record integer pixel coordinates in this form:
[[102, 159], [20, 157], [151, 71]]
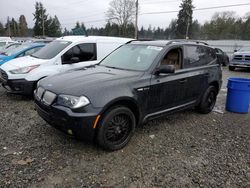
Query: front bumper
[[240, 64], [19, 86], [79, 125]]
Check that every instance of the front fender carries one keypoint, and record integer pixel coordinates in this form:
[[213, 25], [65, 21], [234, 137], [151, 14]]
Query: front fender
[[39, 73]]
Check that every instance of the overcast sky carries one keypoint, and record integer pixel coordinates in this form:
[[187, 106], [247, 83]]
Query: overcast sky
[[92, 12]]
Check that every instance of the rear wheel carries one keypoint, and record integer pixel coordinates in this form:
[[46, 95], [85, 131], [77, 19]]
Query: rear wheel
[[231, 68], [208, 100], [116, 128]]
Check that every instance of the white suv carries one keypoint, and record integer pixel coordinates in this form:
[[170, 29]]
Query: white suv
[[66, 53]]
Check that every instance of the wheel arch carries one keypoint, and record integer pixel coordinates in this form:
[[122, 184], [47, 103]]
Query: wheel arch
[[216, 85], [127, 102]]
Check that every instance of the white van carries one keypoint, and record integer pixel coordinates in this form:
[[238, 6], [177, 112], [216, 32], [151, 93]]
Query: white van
[[66, 53]]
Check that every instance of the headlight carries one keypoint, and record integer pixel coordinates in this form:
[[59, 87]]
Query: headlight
[[72, 101], [24, 70]]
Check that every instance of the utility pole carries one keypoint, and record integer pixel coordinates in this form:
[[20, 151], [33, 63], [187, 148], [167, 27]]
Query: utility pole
[[187, 31], [9, 26], [188, 25], [136, 19]]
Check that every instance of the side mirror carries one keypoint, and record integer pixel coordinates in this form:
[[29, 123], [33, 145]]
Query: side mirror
[[74, 59], [165, 69], [235, 50]]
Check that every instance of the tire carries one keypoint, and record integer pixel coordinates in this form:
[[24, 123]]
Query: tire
[[208, 100], [116, 128], [231, 68], [226, 62]]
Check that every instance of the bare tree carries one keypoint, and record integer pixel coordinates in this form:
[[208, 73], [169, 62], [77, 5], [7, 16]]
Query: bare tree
[[122, 12]]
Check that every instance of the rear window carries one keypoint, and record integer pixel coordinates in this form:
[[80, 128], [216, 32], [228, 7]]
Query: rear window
[[51, 50], [198, 56]]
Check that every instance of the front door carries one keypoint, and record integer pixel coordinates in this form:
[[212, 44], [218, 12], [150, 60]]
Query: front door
[[166, 91]]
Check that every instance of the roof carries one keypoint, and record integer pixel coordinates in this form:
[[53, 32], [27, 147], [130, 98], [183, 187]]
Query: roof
[[168, 42], [93, 38]]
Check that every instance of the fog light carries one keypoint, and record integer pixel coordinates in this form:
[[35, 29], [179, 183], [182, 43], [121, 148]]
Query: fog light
[[70, 132]]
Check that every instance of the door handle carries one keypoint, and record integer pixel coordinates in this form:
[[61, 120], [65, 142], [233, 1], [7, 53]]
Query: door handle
[[184, 80]]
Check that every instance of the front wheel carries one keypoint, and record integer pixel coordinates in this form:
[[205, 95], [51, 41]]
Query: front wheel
[[208, 100], [116, 128]]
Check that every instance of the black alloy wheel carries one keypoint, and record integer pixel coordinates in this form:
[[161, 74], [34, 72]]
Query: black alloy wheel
[[116, 128], [208, 100]]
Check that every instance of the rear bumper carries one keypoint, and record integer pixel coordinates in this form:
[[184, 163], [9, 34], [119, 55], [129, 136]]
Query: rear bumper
[[79, 126], [20, 86]]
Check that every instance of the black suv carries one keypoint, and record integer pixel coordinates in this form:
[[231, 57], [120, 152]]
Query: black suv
[[138, 82]]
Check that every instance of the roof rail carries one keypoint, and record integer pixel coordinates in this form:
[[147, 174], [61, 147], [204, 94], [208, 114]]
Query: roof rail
[[184, 40]]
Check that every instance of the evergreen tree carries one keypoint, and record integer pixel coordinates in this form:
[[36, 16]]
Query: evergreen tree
[[54, 27], [41, 20], [7, 26], [2, 30], [23, 26], [184, 21], [245, 28], [14, 28]]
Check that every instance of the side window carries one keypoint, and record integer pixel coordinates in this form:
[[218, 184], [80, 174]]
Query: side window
[[173, 57], [88, 52], [66, 58], [218, 51], [210, 55], [84, 52], [195, 56]]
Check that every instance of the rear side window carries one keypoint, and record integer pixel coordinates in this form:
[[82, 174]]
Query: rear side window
[[84, 52], [198, 56]]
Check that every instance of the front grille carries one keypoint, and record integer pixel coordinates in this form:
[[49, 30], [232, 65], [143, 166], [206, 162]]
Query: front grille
[[238, 57], [247, 58], [46, 97], [3, 75]]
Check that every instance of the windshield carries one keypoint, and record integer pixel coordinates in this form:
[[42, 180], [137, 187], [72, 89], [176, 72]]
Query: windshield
[[16, 50], [10, 47], [132, 57], [51, 49], [2, 44], [244, 49]]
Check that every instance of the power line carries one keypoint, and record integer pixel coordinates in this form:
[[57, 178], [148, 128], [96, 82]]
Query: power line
[[89, 16], [92, 21], [159, 2], [197, 9]]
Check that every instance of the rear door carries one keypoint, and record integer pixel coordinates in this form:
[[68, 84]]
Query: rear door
[[199, 60]]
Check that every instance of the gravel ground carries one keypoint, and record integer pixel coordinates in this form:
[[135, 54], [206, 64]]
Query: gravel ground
[[185, 149]]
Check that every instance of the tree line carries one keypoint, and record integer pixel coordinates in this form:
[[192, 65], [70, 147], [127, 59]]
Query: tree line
[[120, 22]]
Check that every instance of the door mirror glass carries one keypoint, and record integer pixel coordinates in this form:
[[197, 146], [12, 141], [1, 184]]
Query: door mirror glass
[[165, 69]]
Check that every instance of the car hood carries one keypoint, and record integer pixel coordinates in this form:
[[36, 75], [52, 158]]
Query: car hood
[[242, 53], [22, 62], [87, 81]]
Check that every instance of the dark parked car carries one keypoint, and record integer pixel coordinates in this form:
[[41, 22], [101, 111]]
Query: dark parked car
[[223, 58], [240, 59], [136, 83]]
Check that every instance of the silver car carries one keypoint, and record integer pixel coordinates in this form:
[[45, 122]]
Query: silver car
[[240, 59]]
